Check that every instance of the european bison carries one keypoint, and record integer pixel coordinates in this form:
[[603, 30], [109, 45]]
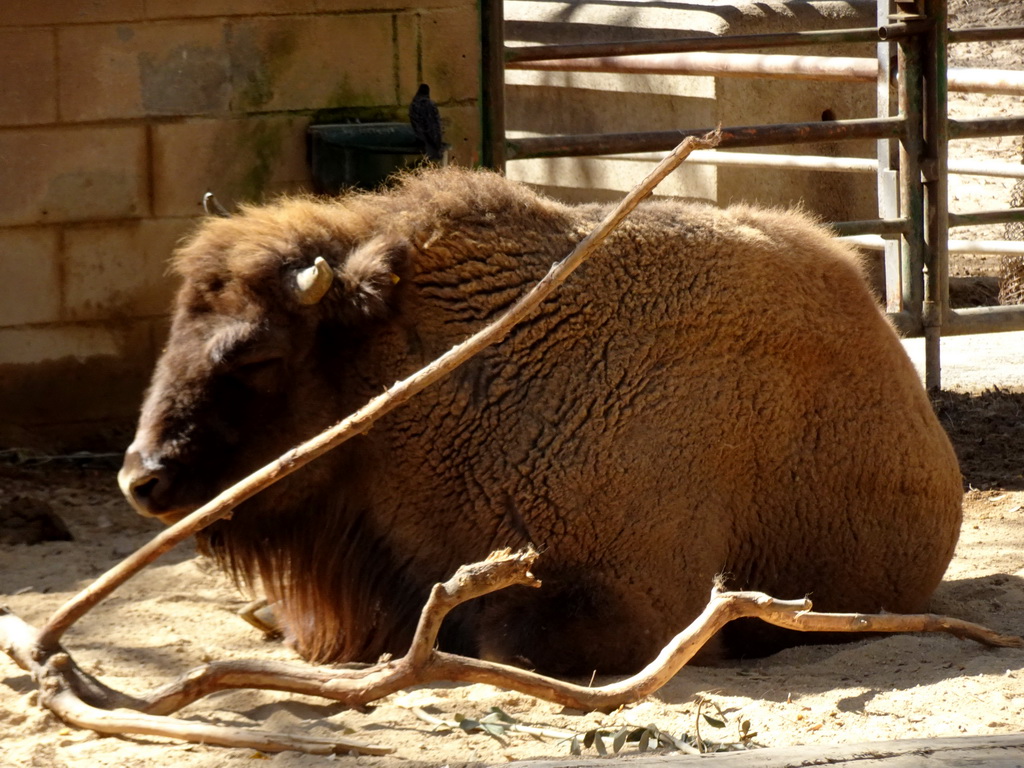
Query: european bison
[[714, 392]]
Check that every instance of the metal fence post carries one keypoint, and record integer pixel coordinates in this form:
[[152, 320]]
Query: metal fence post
[[936, 296], [492, 96], [888, 161], [912, 245]]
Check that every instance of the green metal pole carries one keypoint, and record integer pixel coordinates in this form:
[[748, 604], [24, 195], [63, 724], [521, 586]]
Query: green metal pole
[[492, 86], [936, 298], [911, 194]]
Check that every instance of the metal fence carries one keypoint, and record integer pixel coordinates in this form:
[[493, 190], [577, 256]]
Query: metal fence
[[912, 128]]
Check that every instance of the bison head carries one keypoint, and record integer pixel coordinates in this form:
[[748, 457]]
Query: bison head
[[273, 306]]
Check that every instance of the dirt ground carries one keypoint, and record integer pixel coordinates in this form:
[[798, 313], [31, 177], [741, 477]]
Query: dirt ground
[[180, 612]]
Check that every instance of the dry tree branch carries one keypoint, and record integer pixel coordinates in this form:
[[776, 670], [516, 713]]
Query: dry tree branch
[[424, 664], [360, 421], [103, 710]]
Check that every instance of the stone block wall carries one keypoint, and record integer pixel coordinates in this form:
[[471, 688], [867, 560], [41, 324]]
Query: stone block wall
[[116, 117]]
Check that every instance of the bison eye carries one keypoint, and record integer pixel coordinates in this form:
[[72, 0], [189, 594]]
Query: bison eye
[[263, 375]]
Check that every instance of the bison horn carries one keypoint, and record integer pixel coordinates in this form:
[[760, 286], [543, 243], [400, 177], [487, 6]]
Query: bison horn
[[313, 282], [212, 206]]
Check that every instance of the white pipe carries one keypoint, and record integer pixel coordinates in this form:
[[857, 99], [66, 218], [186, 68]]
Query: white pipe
[[821, 163], [999, 247], [799, 162], [1004, 247], [846, 68]]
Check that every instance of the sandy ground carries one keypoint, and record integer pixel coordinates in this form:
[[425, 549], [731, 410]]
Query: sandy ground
[[180, 613], [976, 363]]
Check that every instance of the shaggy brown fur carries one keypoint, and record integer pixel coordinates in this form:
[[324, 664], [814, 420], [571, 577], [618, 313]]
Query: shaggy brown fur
[[713, 392]]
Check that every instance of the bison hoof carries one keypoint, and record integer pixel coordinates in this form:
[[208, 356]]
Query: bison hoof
[[261, 615]]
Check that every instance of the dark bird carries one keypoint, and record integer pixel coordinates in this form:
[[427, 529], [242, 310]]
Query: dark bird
[[426, 123]]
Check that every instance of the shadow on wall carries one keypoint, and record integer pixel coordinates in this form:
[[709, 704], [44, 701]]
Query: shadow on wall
[[800, 16], [102, 393]]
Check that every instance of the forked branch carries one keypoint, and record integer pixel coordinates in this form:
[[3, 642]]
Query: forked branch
[[425, 664]]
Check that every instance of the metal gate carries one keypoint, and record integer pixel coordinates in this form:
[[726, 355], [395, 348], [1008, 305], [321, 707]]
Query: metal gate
[[912, 127]]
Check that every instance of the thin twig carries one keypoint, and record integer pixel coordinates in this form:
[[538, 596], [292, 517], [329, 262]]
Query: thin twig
[[360, 421]]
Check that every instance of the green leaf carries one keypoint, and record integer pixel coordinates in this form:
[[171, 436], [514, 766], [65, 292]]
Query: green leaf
[[645, 740], [714, 722], [468, 724], [599, 746], [574, 746], [619, 740], [745, 733], [588, 738], [500, 714], [494, 729]]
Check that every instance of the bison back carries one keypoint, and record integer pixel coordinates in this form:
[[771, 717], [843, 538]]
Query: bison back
[[714, 392]]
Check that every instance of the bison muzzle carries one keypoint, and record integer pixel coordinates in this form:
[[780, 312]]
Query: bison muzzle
[[714, 392]]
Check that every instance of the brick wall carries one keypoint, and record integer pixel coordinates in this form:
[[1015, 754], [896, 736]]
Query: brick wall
[[116, 116]]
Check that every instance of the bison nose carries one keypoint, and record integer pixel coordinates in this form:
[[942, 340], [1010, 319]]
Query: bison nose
[[144, 482]]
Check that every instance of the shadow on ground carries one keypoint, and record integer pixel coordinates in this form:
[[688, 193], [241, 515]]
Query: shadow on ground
[[987, 431]]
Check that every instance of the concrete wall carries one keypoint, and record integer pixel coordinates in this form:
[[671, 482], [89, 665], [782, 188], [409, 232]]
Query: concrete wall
[[564, 102], [117, 115]]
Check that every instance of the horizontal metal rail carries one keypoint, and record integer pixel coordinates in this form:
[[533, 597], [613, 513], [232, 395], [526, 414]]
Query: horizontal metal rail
[[888, 32], [840, 68], [828, 164], [995, 126], [788, 162], [998, 247], [986, 168], [986, 34], [900, 226], [776, 66], [963, 322], [1004, 216], [712, 43], [583, 145], [849, 229]]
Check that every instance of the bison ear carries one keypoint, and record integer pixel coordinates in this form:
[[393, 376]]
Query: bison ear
[[370, 277]]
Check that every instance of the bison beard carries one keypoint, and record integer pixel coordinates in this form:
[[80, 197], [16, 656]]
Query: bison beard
[[715, 392]]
